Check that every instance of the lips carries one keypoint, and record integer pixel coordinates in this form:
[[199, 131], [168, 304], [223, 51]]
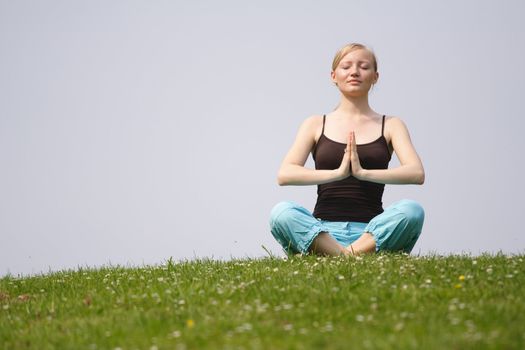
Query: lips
[[354, 81]]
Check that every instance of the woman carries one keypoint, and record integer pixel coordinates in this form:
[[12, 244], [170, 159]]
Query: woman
[[351, 170]]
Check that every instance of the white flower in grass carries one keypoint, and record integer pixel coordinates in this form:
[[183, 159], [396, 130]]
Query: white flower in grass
[[360, 318], [340, 277], [287, 306], [328, 327], [288, 327], [262, 308], [245, 327], [399, 326]]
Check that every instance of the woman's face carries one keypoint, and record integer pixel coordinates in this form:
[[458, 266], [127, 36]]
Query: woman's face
[[355, 74]]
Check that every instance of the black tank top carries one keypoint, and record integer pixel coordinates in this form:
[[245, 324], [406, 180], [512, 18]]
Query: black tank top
[[350, 199]]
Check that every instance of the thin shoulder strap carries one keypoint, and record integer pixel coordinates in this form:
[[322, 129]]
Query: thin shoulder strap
[[314, 150], [383, 125]]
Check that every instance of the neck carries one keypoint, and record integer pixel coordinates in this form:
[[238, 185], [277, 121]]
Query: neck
[[355, 107]]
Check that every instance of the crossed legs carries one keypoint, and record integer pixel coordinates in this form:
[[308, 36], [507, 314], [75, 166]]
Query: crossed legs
[[397, 228]]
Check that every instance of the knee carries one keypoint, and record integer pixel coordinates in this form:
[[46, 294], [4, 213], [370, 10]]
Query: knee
[[281, 212], [413, 211]]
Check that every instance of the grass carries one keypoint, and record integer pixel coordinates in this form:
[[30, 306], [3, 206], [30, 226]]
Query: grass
[[383, 301]]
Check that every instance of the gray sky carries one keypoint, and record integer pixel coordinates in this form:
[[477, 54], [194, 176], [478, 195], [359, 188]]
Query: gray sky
[[135, 131]]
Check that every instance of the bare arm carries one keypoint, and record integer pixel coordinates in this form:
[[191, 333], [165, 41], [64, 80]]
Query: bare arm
[[292, 170], [411, 169]]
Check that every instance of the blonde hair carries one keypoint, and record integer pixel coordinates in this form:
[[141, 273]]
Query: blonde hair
[[349, 48]]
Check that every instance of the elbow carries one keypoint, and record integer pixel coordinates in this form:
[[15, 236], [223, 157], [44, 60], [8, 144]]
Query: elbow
[[421, 178], [281, 179]]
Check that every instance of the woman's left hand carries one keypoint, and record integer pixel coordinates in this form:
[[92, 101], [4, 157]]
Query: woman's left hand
[[351, 147]]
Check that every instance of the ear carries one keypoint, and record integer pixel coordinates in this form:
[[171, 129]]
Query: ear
[[332, 75], [376, 77]]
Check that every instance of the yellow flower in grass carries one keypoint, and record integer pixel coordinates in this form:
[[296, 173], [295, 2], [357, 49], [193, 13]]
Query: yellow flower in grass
[[190, 323], [461, 278], [457, 286]]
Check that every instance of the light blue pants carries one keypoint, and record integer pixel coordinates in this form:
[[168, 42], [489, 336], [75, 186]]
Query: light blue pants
[[397, 228]]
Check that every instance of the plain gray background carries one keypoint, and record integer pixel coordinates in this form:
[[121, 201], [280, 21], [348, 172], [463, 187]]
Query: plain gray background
[[135, 131]]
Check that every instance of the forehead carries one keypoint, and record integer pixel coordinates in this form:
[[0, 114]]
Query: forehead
[[358, 55]]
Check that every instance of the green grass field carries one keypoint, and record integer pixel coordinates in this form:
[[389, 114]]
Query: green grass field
[[384, 301]]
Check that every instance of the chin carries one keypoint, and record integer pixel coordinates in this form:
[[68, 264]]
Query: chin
[[355, 93]]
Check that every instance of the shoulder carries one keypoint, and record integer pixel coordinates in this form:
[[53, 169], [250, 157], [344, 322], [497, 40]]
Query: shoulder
[[394, 125], [313, 121], [312, 125], [395, 129], [394, 121]]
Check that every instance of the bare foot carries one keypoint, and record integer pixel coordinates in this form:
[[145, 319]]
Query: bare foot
[[349, 251]]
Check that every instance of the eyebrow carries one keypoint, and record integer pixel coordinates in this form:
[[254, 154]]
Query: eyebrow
[[362, 61]]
